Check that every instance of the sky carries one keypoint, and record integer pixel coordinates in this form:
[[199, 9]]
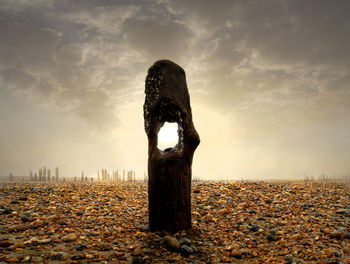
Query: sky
[[269, 83]]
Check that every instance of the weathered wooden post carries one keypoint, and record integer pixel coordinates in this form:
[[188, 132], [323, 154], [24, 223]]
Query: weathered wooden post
[[169, 182]]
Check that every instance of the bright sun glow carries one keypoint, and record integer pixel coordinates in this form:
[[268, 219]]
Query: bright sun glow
[[168, 136]]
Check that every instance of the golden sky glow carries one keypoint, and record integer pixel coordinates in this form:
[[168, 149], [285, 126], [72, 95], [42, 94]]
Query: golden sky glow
[[268, 81]]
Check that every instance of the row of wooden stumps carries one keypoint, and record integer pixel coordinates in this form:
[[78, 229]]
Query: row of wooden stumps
[[169, 183]]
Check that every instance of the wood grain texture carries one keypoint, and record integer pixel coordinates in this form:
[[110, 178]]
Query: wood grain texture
[[169, 183]]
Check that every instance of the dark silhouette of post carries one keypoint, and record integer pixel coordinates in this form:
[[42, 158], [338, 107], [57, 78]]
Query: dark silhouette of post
[[169, 182]]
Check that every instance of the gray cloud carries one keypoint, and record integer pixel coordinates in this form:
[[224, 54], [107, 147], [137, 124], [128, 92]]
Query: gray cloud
[[241, 56]]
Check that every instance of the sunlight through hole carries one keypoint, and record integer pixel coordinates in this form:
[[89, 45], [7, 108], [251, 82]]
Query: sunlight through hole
[[168, 136]]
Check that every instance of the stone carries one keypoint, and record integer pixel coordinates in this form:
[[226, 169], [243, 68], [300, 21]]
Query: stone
[[289, 260], [17, 245], [272, 235], [23, 198], [346, 260], [12, 260], [171, 243], [58, 256], [26, 259], [22, 227], [236, 253], [186, 250], [102, 246], [138, 260], [44, 241], [185, 241], [80, 247], [341, 211], [336, 234], [69, 238], [36, 259], [138, 251], [347, 235], [143, 228], [268, 201], [78, 257], [25, 217], [7, 210], [328, 252], [253, 228], [6, 243]]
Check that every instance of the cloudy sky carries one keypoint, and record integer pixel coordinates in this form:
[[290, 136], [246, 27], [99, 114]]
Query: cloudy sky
[[269, 83]]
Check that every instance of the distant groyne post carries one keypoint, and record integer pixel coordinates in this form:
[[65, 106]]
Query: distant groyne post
[[169, 183]]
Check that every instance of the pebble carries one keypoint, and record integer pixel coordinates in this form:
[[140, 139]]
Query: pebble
[[171, 243], [58, 256], [12, 260], [143, 228], [307, 215], [25, 218], [36, 259], [23, 198], [138, 251], [236, 253], [341, 211], [80, 247], [289, 260], [254, 228], [22, 227], [185, 241], [138, 260], [44, 241], [7, 210], [102, 246], [347, 235], [26, 259], [336, 234], [272, 235], [6, 243], [69, 238], [186, 250], [328, 252]]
